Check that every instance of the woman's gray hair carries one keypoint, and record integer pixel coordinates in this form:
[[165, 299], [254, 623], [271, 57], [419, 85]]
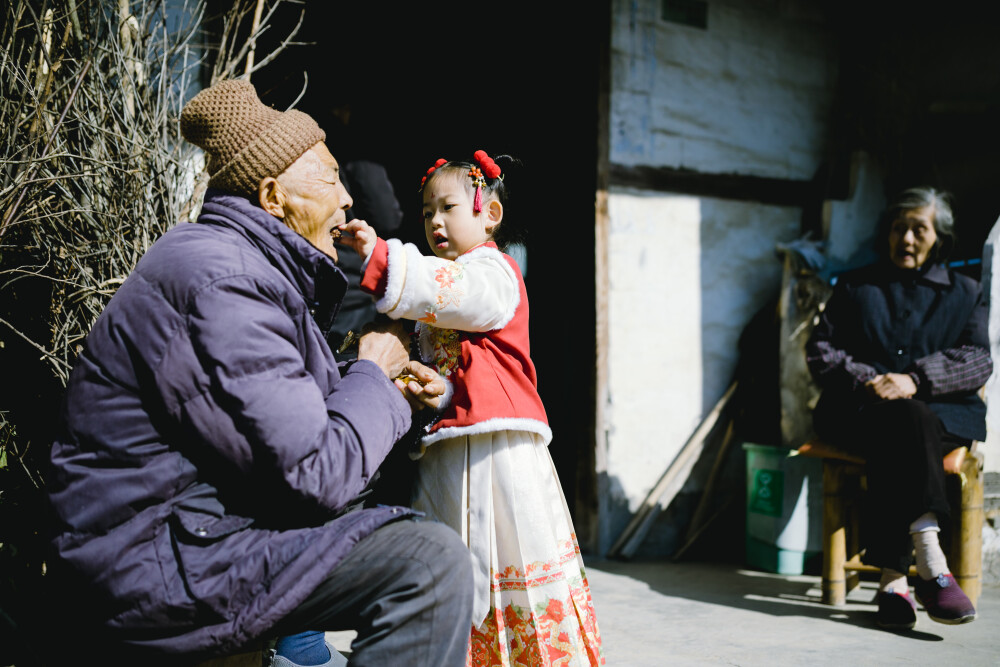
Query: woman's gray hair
[[944, 221]]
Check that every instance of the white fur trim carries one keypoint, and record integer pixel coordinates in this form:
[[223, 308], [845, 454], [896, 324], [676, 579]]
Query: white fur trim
[[449, 392], [486, 252], [414, 263], [491, 426], [396, 277]]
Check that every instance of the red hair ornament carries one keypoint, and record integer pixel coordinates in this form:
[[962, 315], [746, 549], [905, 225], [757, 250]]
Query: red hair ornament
[[437, 163], [486, 166]]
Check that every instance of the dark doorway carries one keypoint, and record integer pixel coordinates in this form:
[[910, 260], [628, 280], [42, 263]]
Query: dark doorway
[[920, 90], [430, 80]]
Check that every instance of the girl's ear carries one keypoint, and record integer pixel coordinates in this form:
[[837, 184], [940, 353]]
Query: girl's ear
[[494, 214]]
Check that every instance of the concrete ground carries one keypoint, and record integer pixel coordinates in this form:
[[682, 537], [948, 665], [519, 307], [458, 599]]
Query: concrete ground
[[652, 614]]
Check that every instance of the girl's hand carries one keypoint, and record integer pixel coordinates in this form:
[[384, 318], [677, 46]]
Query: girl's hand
[[358, 235], [422, 386]]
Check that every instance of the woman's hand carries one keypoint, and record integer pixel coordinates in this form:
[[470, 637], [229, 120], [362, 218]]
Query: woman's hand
[[359, 236], [891, 386], [422, 386]]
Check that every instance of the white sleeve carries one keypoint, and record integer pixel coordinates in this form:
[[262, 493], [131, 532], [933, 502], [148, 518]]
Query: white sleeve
[[477, 292]]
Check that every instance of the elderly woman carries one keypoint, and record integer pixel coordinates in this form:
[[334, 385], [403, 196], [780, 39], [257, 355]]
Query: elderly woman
[[205, 482], [900, 352]]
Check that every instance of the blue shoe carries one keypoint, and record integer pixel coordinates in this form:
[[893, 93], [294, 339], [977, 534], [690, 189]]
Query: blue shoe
[[336, 660]]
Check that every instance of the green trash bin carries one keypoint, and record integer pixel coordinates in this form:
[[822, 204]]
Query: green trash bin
[[784, 510]]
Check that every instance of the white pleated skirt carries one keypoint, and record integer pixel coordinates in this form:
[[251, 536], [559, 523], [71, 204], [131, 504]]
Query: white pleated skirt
[[501, 493]]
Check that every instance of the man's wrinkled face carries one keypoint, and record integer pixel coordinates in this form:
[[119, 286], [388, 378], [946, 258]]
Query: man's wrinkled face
[[316, 199]]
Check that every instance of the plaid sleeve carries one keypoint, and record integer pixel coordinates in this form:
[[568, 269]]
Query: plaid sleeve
[[958, 369], [964, 367], [828, 362]]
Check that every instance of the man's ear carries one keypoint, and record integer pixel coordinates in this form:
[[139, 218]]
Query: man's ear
[[272, 197], [494, 214]]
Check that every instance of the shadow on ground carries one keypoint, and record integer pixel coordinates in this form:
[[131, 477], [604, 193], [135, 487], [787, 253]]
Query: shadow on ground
[[692, 613], [753, 591]]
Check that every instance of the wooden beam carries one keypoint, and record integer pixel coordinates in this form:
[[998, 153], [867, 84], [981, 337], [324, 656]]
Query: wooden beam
[[602, 282], [778, 191], [698, 522], [670, 483]]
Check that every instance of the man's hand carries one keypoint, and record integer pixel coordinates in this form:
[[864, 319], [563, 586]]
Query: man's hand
[[358, 235], [891, 386], [422, 386], [387, 345]]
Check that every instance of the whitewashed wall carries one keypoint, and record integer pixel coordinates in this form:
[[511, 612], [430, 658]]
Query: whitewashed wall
[[747, 96], [991, 286]]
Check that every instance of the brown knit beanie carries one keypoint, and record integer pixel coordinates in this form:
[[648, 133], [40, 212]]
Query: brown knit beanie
[[245, 140]]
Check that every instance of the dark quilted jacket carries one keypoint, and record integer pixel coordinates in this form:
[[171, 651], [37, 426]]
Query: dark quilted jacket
[[883, 320], [209, 439]]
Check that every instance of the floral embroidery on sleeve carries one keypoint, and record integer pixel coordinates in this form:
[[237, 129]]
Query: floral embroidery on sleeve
[[448, 274], [449, 293]]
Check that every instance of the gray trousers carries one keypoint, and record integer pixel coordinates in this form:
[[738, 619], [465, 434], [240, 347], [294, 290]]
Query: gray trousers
[[407, 591]]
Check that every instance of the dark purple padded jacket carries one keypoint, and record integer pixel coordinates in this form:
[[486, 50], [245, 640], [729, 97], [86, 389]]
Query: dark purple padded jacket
[[209, 439]]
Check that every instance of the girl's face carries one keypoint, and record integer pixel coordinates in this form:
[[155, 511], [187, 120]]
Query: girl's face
[[451, 226], [912, 237]]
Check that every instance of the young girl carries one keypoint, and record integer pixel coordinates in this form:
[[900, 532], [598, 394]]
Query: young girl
[[484, 466]]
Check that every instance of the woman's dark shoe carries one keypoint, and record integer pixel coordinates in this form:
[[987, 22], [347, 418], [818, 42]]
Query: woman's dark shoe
[[944, 600], [896, 611]]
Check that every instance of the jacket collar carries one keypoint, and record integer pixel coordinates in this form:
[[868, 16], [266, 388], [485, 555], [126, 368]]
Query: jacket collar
[[484, 244], [314, 273], [935, 274]]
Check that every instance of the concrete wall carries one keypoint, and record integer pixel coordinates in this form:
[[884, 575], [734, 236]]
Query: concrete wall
[[991, 287], [749, 95]]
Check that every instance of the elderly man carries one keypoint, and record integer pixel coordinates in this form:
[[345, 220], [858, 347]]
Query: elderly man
[[205, 479]]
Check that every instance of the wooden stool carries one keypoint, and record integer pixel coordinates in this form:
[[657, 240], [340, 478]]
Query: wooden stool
[[843, 484]]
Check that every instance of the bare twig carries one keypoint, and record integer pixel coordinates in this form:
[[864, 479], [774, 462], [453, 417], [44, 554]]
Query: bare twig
[[92, 165], [253, 37], [305, 84], [13, 210], [285, 43], [53, 358]]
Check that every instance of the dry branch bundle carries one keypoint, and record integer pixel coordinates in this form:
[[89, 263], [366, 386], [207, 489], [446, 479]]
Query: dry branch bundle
[[92, 171]]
